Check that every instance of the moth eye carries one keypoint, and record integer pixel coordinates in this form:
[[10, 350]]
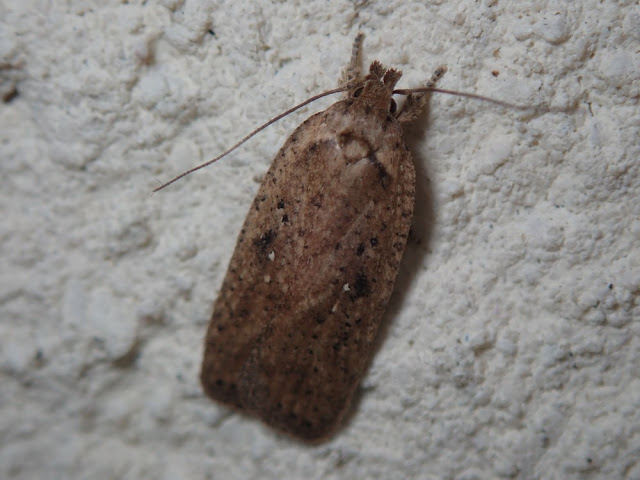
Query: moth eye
[[358, 91], [393, 107]]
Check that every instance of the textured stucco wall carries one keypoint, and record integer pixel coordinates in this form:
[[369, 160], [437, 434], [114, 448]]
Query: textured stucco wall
[[511, 348]]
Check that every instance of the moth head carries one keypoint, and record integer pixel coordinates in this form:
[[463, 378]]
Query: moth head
[[377, 87]]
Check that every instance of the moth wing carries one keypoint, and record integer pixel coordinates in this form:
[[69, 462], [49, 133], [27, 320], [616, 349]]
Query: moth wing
[[314, 267]]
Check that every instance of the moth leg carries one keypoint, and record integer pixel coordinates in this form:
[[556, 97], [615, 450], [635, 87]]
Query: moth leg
[[353, 71], [416, 102]]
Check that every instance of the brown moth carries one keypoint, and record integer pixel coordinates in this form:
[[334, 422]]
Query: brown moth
[[294, 324]]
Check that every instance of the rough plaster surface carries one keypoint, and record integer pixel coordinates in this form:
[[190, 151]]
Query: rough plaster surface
[[511, 348]]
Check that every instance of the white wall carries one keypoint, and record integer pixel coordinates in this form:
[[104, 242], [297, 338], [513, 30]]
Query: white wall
[[511, 347]]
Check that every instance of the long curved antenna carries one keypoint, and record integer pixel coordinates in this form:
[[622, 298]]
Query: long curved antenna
[[273, 120], [409, 91]]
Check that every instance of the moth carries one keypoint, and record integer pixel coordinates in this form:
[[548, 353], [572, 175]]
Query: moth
[[294, 324]]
